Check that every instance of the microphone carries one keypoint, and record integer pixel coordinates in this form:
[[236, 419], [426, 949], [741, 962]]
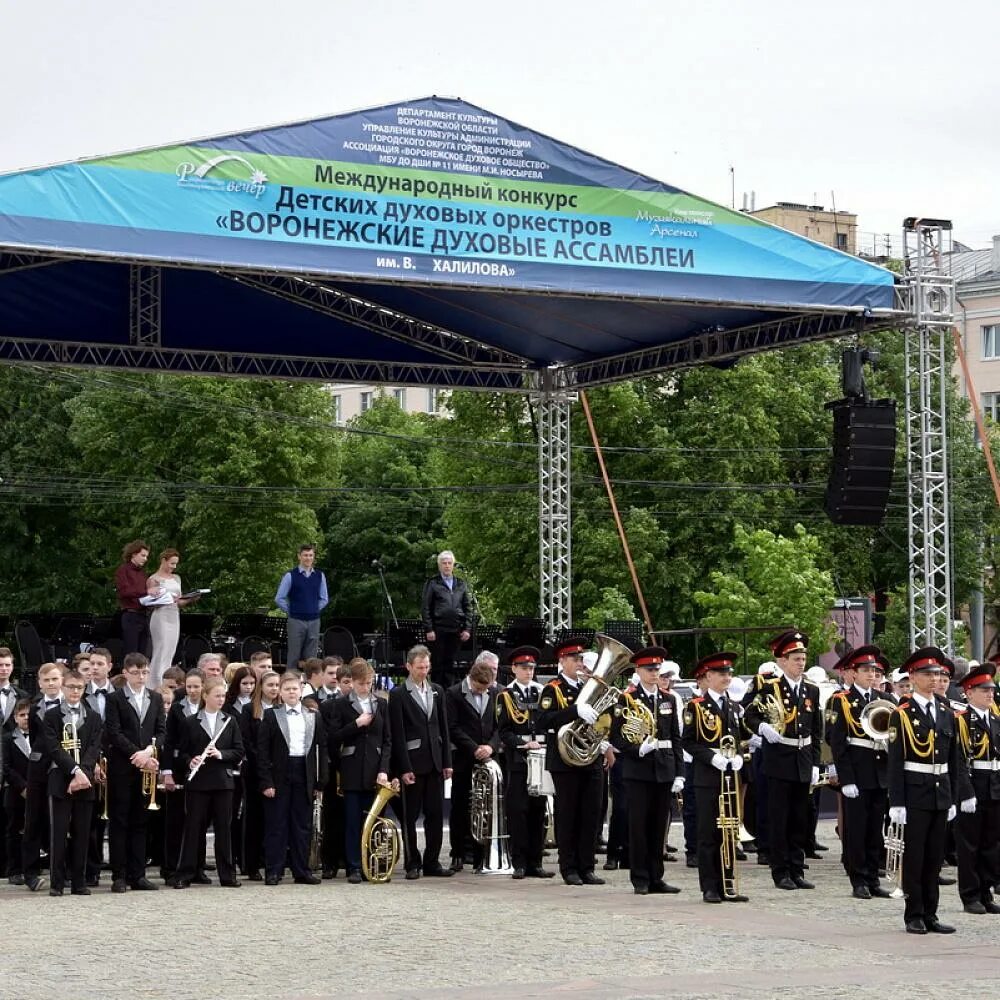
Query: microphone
[[376, 564]]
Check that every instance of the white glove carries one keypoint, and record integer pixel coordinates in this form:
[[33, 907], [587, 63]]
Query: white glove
[[677, 786], [648, 745], [586, 712], [952, 813], [737, 762], [755, 743], [850, 791], [969, 805], [769, 733], [897, 814], [719, 761], [831, 770], [815, 776]]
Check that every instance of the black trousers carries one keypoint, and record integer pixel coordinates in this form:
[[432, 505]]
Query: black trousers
[[709, 839], [618, 827], [426, 796], [863, 836], [253, 826], [648, 808], [14, 811], [763, 832], [135, 632], [288, 823], [577, 814], [333, 828], [95, 850], [36, 828], [356, 805], [200, 808], [69, 817], [236, 824], [923, 855], [128, 819], [689, 814], [444, 649], [525, 821], [977, 840], [788, 820]]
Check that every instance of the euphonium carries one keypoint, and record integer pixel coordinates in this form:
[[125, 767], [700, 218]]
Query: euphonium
[[894, 846], [488, 818], [730, 820], [149, 782], [875, 720], [580, 743], [380, 842]]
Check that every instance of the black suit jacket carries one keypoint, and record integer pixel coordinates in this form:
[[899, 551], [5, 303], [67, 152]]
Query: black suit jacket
[[362, 752], [89, 731], [215, 774], [704, 727], [172, 739], [467, 728], [856, 764], [272, 752], [15, 765], [420, 743], [662, 765], [39, 761], [557, 706], [981, 744], [126, 734], [804, 722], [16, 695], [920, 789], [514, 733]]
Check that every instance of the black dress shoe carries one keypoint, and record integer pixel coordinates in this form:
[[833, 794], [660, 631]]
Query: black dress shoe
[[711, 897], [610, 865], [671, 849], [35, 883], [118, 885], [934, 926], [200, 878], [309, 879], [785, 883], [661, 888], [641, 890], [272, 879], [16, 880], [738, 898], [539, 873], [93, 881], [589, 878], [991, 907], [946, 880], [820, 847], [233, 883], [879, 893], [803, 883], [438, 872], [180, 883], [81, 890], [974, 907], [915, 926], [740, 856], [572, 879], [355, 878], [862, 892], [144, 885], [670, 857], [518, 873], [457, 864], [55, 892], [329, 873], [412, 874], [812, 855], [763, 858], [255, 877], [691, 860]]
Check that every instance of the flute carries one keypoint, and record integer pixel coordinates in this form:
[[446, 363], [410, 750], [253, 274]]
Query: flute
[[211, 746]]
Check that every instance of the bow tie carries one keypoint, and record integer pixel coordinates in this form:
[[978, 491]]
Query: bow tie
[[4, 690], [102, 692], [293, 711], [49, 704], [74, 709]]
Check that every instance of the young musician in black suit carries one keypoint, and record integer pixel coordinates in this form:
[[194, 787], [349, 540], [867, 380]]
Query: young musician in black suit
[[421, 753], [71, 736], [292, 767], [472, 726], [134, 722], [238, 698], [9, 697], [16, 751], [99, 689], [36, 802], [327, 694], [361, 743], [211, 751], [263, 700]]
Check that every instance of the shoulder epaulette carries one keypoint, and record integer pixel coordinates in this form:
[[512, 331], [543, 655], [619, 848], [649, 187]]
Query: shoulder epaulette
[[698, 700], [839, 694]]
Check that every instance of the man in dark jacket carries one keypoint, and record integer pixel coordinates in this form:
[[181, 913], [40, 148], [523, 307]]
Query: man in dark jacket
[[446, 613]]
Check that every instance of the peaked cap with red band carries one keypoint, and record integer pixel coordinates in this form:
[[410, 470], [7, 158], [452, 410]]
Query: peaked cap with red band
[[788, 642], [715, 661], [863, 656], [651, 656], [524, 656]]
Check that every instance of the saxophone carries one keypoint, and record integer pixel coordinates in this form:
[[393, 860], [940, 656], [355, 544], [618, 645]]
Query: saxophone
[[380, 841]]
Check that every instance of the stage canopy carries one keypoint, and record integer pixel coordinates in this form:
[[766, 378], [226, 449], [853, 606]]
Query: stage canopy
[[423, 243]]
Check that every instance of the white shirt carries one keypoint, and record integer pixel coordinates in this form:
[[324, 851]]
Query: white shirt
[[717, 697], [296, 731], [190, 707], [794, 685], [924, 702], [136, 697], [366, 704], [573, 684], [212, 718]]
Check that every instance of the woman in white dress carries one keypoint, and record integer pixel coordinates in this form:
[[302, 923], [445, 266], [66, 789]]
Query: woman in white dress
[[165, 620]]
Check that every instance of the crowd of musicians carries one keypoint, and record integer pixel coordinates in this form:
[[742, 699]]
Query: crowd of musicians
[[269, 759]]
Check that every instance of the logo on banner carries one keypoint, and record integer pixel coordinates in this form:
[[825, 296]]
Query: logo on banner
[[191, 176]]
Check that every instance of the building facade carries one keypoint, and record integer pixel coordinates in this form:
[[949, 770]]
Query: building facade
[[836, 229], [351, 399], [977, 275]]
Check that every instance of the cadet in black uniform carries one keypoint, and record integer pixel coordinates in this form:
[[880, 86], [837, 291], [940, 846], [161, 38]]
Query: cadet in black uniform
[[652, 769], [977, 828], [791, 761], [517, 715], [923, 787], [861, 764], [707, 719], [578, 789]]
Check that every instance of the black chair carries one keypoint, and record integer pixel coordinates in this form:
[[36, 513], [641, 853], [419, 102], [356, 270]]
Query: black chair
[[253, 644], [192, 648], [338, 641], [33, 653]]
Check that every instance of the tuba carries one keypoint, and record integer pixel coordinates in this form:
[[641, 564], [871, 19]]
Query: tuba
[[875, 721], [380, 842], [488, 819], [580, 743]]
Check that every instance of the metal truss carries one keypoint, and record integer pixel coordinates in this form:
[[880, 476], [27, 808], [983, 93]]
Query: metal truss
[[554, 508], [11, 260], [145, 284], [931, 300]]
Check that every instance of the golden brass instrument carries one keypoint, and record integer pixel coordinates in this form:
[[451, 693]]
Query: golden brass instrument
[[380, 840], [730, 820], [580, 742], [488, 818], [895, 844], [71, 741], [772, 710], [149, 782], [102, 763], [824, 780], [875, 721], [637, 721]]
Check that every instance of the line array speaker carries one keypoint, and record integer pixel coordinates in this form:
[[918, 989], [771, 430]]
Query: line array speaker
[[864, 456]]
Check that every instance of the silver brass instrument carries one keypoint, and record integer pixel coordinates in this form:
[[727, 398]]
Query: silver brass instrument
[[730, 820], [579, 742], [211, 746], [488, 818], [316, 838], [539, 778], [894, 845], [875, 721], [380, 840]]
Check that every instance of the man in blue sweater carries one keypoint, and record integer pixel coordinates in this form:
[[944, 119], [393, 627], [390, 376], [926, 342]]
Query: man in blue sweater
[[302, 595]]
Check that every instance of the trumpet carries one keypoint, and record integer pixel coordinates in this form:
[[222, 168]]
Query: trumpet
[[71, 741], [149, 781]]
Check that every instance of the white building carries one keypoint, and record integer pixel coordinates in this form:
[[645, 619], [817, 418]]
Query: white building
[[352, 398]]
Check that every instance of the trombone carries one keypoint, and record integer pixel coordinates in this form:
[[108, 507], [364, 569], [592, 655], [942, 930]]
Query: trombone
[[149, 781], [730, 820]]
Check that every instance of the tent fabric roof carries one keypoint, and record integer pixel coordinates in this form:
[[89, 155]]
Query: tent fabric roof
[[430, 242]]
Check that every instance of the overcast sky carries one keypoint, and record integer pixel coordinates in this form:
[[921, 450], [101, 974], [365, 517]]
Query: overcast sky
[[891, 108]]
